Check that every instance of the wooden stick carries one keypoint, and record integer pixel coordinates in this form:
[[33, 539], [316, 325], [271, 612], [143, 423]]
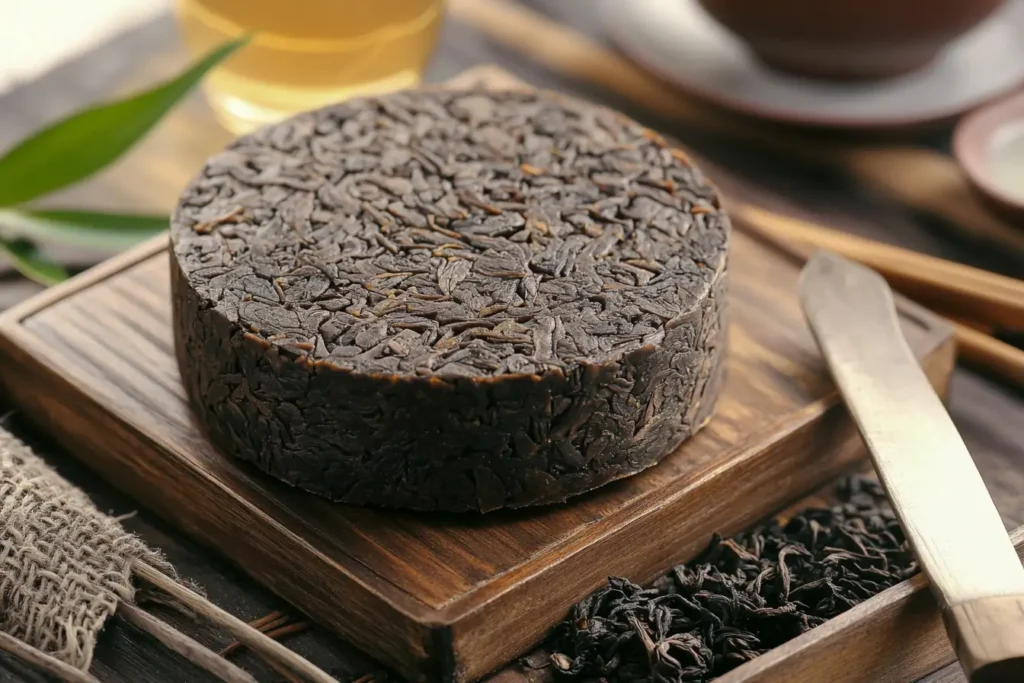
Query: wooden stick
[[288, 676], [287, 630], [973, 324], [184, 646], [977, 294], [273, 625], [266, 619], [274, 630], [925, 180], [273, 651], [1003, 359], [264, 627], [973, 345], [44, 662]]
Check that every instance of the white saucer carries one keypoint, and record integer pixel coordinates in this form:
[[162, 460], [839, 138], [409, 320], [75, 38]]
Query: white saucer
[[678, 41]]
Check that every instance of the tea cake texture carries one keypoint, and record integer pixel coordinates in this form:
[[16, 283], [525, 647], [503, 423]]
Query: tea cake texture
[[449, 299]]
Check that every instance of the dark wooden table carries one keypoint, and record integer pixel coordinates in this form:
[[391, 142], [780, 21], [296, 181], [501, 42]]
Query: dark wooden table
[[988, 414]]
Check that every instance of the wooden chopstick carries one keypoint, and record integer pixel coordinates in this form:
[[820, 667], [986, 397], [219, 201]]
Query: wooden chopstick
[[923, 179], [972, 293], [1003, 359], [973, 344]]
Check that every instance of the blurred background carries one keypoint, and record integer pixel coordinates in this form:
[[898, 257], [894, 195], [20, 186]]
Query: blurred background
[[33, 42]]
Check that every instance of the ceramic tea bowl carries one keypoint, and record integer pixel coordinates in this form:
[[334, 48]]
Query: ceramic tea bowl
[[849, 39], [989, 146]]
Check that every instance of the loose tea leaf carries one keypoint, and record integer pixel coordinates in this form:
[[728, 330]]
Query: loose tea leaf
[[81, 228], [742, 597], [82, 144]]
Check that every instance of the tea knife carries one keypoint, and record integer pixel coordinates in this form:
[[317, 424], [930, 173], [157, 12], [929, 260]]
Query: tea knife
[[934, 487]]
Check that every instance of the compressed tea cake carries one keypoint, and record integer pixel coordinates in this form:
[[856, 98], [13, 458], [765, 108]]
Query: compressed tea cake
[[450, 300]]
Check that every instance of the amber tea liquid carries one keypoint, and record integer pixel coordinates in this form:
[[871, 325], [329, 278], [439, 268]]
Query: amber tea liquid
[[308, 53]]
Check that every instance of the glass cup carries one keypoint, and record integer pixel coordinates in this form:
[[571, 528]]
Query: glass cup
[[308, 53]]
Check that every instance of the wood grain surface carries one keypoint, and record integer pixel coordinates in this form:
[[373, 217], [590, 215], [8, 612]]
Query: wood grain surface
[[986, 412]]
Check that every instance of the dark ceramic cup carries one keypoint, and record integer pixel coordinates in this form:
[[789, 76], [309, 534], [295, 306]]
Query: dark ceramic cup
[[848, 39]]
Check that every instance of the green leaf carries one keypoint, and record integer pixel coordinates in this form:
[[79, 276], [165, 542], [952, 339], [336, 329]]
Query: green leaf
[[29, 262], [109, 231], [75, 148], [117, 222]]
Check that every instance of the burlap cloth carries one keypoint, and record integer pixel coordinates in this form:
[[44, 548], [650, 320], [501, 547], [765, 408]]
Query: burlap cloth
[[64, 565]]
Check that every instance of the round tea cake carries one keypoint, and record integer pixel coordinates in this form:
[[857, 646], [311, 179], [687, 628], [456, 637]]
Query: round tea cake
[[450, 300]]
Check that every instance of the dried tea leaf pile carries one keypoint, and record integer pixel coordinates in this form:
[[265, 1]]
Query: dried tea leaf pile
[[742, 597], [459, 300]]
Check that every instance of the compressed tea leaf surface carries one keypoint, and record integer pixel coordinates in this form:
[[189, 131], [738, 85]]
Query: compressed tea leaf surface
[[451, 299]]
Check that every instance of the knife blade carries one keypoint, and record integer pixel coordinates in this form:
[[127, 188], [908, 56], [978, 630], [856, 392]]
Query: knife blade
[[929, 476]]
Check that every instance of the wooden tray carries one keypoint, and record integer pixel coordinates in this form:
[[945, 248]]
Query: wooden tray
[[439, 596]]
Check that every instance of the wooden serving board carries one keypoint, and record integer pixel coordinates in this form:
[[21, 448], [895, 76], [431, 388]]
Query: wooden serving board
[[436, 596]]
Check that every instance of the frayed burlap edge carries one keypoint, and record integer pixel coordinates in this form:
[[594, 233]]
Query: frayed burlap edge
[[64, 565]]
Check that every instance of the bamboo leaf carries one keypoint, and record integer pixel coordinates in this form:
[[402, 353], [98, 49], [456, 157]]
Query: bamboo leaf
[[27, 259], [118, 222], [75, 148], [108, 231]]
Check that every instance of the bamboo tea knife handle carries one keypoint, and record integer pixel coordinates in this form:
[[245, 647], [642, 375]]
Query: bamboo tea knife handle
[[987, 635], [928, 474]]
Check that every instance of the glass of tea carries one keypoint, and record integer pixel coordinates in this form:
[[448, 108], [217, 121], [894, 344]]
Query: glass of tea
[[308, 53]]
